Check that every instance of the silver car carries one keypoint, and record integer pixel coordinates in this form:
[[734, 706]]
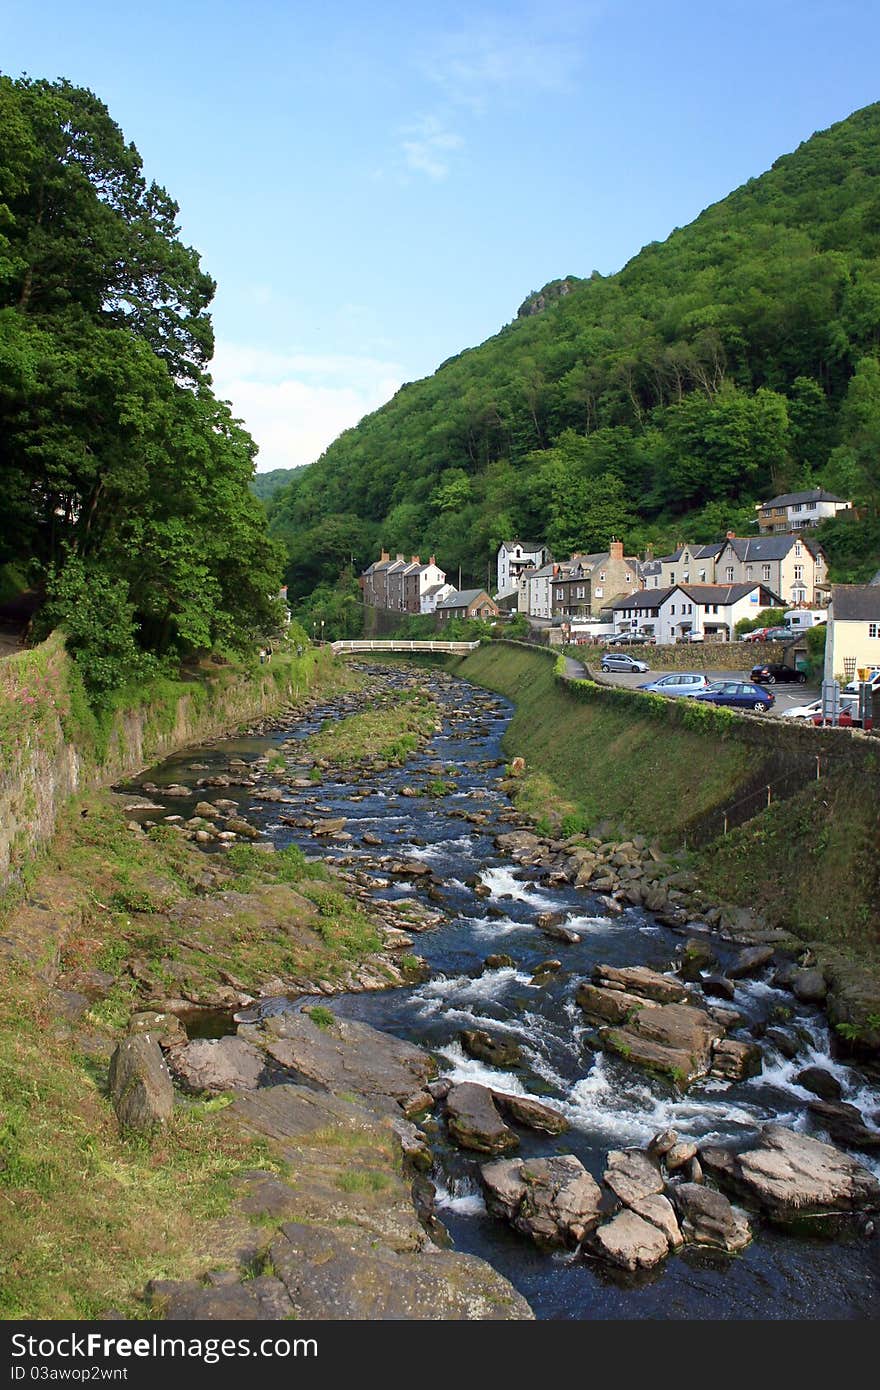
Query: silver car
[[619, 661], [680, 683]]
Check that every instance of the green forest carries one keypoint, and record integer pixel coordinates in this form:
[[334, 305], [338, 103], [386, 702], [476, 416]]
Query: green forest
[[735, 360], [128, 516]]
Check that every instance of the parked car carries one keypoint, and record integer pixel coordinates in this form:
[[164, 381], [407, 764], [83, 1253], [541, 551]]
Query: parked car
[[814, 708], [736, 695], [847, 718], [769, 672], [779, 634], [758, 634], [627, 639], [619, 661], [854, 686], [684, 683]]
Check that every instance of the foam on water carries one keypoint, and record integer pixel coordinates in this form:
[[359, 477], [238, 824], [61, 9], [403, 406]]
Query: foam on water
[[500, 880]]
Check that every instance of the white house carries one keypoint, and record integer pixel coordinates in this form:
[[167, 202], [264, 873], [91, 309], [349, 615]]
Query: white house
[[539, 595], [792, 511], [433, 595], [515, 556], [852, 639], [708, 610]]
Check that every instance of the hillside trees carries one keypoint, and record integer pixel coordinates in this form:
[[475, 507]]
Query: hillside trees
[[125, 477]]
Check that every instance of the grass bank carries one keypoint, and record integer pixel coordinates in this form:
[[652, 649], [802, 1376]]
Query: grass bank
[[390, 731], [87, 1216]]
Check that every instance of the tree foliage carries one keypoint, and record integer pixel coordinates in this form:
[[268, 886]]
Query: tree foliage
[[126, 481]]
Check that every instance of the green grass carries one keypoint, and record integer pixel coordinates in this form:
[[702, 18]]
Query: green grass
[[390, 731]]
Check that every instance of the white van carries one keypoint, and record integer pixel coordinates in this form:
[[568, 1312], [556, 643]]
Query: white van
[[801, 619]]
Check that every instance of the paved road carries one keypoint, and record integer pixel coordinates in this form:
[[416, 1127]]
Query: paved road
[[787, 696]]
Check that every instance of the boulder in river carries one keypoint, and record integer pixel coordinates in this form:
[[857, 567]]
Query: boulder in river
[[809, 986], [533, 1114], [555, 1201], [749, 961], [734, 1061], [497, 1052], [822, 1083], [675, 1039], [474, 1121], [844, 1123], [631, 1242], [631, 1174], [638, 979], [708, 1218], [794, 1177], [610, 1005]]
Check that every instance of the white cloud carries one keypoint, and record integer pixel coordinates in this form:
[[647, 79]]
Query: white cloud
[[429, 150], [295, 404]]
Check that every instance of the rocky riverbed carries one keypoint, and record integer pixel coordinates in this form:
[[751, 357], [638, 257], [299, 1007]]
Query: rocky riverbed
[[624, 1099]]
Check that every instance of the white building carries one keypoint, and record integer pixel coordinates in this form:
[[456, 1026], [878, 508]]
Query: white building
[[852, 641], [515, 556], [710, 611], [792, 511], [539, 594], [434, 594]]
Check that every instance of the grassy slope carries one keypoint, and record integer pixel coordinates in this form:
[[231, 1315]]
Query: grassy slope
[[605, 761]]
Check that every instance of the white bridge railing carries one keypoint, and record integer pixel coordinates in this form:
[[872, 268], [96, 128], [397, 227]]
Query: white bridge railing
[[392, 645]]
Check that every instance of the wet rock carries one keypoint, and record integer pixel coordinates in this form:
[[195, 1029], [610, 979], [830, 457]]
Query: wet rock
[[696, 957], [785, 1043], [809, 986], [793, 1176], [176, 789], [610, 1005], [348, 1056], [749, 961], [557, 932], [631, 1242], [498, 1052], [638, 979], [734, 1061], [708, 1218], [662, 1143], [214, 1065], [474, 1121], [675, 1039], [498, 961], [554, 1201], [139, 1084], [329, 826], [533, 1114], [719, 987], [630, 1174], [845, 1124], [820, 1082], [679, 1155]]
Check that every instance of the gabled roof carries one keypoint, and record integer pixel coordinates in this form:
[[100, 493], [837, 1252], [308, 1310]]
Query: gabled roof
[[855, 603], [432, 589], [723, 594], [644, 598], [769, 548], [791, 499], [462, 598], [532, 546]]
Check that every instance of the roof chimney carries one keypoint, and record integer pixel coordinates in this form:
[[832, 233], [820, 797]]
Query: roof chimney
[[615, 550], [415, 560], [433, 560], [731, 535], [399, 556], [383, 555]]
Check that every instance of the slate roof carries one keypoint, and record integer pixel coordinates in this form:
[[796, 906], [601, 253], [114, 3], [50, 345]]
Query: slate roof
[[790, 499], [769, 548], [644, 598], [856, 603], [462, 598], [524, 545], [722, 593]]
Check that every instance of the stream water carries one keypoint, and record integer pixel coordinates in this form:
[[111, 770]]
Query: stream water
[[608, 1103]]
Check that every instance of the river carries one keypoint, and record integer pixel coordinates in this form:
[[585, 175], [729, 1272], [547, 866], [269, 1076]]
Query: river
[[609, 1103]]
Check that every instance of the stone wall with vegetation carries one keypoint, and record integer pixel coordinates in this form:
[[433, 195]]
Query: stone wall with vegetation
[[53, 744]]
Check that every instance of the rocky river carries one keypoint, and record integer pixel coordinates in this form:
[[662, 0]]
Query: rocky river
[[598, 1055]]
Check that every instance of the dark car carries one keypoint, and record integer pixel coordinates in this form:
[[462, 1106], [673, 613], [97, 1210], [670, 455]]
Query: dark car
[[736, 695], [769, 672]]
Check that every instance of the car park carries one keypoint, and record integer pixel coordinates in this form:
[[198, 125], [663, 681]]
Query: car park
[[769, 672], [619, 661], [679, 683], [742, 695]]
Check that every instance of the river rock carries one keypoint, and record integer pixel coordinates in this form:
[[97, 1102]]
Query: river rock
[[631, 1242], [675, 1039], [679, 1155], [176, 789], [793, 1176], [214, 1065], [718, 987], [785, 1043], [820, 1082], [533, 1114], [630, 1174], [498, 961], [348, 1056], [166, 1029], [734, 1061], [558, 932], [474, 1121], [330, 826], [555, 1201], [749, 961], [610, 1005], [696, 957], [638, 979], [498, 1052], [707, 1217], [809, 986], [661, 1213], [845, 1124], [662, 1143], [140, 1085]]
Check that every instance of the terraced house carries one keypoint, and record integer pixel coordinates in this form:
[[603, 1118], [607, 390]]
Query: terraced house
[[585, 584], [793, 566]]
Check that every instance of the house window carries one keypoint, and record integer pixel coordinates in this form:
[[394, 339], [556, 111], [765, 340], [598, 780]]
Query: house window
[[599, 592], [798, 549], [672, 576], [798, 572], [602, 575], [687, 576], [748, 571], [872, 629], [581, 591], [729, 573], [811, 506], [702, 576], [627, 579], [672, 607], [765, 571], [797, 507]]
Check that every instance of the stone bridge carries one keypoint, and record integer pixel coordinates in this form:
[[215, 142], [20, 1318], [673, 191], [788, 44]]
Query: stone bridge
[[398, 645]]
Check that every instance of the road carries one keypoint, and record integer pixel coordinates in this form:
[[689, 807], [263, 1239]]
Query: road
[[787, 696]]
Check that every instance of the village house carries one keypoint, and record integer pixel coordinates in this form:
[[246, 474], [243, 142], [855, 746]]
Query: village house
[[586, 584], [539, 591], [514, 557], [467, 603], [399, 584], [683, 611], [793, 566], [792, 511], [433, 595], [852, 641], [688, 564]]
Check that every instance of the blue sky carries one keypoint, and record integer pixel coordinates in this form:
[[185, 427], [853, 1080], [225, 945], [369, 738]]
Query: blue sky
[[376, 186]]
